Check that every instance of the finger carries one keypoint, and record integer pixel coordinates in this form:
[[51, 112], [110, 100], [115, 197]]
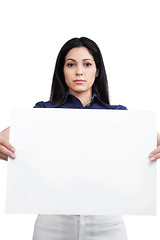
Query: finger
[[6, 152], [3, 157], [6, 143], [155, 157], [155, 151]]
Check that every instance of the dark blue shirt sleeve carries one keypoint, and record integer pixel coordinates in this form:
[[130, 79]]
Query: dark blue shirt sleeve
[[39, 105], [120, 107]]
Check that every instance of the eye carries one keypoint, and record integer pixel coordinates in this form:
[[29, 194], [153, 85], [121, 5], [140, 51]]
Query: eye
[[87, 64], [70, 64]]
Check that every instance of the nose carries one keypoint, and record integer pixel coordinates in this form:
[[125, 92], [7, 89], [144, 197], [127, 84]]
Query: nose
[[79, 71]]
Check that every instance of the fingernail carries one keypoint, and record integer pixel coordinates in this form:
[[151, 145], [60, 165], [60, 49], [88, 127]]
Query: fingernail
[[152, 158], [13, 156], [151, 154], [12, 149]]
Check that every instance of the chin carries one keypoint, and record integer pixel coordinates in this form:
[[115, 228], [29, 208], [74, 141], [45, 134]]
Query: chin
[[79, 89]]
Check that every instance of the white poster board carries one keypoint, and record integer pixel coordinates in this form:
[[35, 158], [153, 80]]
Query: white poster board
[[82, 161]]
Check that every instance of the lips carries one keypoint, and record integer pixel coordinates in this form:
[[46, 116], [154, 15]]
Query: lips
[[79, 81]]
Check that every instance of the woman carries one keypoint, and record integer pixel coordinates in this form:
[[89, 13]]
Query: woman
[[79, 81]]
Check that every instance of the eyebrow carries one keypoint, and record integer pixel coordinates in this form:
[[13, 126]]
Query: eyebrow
[[75, 60]]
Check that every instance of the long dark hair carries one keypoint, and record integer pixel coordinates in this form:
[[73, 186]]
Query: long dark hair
[[59, 87]]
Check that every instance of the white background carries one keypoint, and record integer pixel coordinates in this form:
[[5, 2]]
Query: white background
[[31, 35]]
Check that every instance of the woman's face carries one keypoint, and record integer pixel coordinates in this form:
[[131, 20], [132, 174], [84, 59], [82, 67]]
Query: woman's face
[[79, 70]]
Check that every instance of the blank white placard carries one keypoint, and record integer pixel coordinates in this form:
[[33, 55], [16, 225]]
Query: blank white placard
[[82, 161]]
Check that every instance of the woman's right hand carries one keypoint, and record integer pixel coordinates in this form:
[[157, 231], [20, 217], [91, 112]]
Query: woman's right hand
[[6, 149]]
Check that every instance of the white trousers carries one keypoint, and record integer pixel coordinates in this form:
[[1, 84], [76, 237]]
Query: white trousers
[[78, 227]]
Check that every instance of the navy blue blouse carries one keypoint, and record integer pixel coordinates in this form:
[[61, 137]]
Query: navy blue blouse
[[71, 101]]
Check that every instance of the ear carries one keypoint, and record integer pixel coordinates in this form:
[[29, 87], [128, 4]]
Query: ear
[[97, 72]]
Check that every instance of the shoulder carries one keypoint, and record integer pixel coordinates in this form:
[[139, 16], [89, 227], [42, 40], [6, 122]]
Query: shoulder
[[108, 106], [118, 107], [48, 104], [114, 107]]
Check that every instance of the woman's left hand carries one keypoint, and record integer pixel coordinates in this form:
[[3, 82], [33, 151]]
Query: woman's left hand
[[155, 154]]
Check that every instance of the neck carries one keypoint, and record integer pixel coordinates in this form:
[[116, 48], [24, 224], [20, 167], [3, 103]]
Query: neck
[[84, 97]]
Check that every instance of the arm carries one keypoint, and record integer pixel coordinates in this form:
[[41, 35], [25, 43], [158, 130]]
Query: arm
[[155, 154], [158, 139], [6, 149]]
